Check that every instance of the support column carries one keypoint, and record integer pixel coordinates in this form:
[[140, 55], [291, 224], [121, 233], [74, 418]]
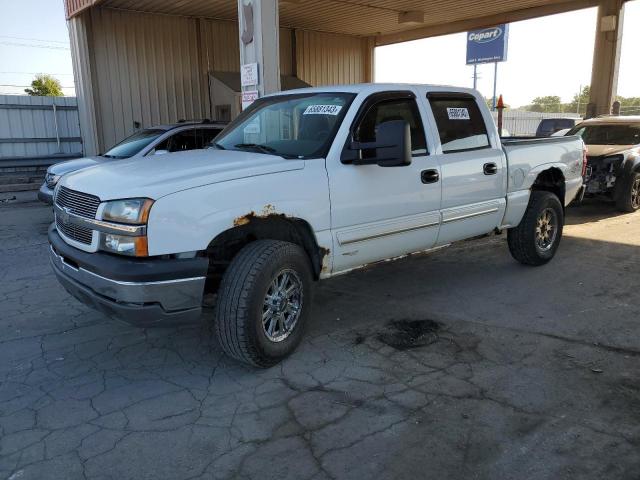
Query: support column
[[260, 43], [369, 59], [606, 57], [80, 36]]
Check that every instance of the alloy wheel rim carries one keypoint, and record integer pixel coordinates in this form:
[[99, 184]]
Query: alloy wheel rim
[[282, 305], [546, 229]]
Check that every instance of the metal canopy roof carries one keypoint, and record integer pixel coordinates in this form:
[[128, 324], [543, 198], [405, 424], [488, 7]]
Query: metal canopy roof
[[390, 21]]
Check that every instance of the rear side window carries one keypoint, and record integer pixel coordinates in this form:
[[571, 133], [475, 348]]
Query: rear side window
[[460, 123]]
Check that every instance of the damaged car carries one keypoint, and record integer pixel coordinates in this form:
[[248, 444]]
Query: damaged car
[[613, 159]]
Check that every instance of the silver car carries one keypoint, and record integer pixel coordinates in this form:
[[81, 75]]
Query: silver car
[[178, 137]]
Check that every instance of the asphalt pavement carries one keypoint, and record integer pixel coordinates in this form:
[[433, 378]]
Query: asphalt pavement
[[458, 364]]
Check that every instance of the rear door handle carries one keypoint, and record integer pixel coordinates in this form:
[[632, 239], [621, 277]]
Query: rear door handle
[[429, 176], [490, 168]]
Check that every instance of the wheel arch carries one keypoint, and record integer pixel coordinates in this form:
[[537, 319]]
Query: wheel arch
[[251, 227], [552, 180]]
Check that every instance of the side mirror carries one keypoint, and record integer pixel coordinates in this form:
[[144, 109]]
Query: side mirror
[[160, 152], [392, 146]]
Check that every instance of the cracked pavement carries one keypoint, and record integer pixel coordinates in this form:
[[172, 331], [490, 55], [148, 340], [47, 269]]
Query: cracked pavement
[[522, 372]]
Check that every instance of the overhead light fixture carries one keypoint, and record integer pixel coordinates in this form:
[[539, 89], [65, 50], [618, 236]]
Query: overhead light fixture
[[412, 17]]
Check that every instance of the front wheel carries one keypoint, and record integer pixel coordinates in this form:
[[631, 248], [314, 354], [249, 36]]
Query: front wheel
[[536, 239], [630, 199], [263, 303]]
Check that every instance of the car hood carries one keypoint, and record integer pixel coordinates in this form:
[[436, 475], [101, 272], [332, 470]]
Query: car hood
[[601, 150], [63, 168], [157, 176]]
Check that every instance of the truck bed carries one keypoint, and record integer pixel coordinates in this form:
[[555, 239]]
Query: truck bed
[[527, 154]]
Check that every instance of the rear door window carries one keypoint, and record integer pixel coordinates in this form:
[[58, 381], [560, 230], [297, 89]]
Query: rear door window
[[184, 141], [461, 126]]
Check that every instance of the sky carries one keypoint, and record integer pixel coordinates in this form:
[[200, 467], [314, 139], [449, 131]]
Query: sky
[[547, 56], [33, 39]]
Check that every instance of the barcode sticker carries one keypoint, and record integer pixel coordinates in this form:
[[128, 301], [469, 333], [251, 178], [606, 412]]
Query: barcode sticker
[[458, 114], [323, 110]]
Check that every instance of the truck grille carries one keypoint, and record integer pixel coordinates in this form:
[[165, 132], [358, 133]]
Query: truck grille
[[79, 203], [74, 232]]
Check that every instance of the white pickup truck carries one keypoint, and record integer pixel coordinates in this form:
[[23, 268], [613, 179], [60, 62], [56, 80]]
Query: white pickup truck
[[303, 186]]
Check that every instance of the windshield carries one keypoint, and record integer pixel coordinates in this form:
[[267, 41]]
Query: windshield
[[132, 145], [292, 126], [608, 134]]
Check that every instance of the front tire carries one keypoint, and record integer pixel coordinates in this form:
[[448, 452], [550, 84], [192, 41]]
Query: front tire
[[264, 302], [536, 239], [629, 201]]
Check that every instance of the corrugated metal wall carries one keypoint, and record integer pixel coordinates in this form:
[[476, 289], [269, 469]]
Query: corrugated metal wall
[[29, 127], [220, 41], [329, 59], [149, 69], [220, 45]]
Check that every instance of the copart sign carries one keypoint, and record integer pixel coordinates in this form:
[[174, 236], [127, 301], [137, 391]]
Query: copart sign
[[487, 45]]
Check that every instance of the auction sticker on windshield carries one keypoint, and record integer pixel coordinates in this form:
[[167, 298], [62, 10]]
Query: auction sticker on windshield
[[323, 110], [458, 114]]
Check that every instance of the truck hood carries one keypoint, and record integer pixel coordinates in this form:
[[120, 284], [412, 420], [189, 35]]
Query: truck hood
[[160, 175], [73, 165], [601, 150]]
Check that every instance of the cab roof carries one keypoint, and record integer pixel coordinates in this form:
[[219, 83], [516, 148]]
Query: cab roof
[[369, 88], [608, 120]]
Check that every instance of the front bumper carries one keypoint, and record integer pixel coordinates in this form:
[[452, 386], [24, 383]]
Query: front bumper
[[45, 194], [142, 292]]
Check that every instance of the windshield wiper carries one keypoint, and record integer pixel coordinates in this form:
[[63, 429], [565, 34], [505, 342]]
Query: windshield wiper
[[218, 146], [256, 146], [264, 149]]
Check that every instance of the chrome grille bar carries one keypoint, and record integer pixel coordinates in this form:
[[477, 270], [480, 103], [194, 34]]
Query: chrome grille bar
[[74, 232], [79, 203]]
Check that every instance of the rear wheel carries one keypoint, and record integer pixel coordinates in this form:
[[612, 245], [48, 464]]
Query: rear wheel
[[629, 200], [536, 239], [264, 301]]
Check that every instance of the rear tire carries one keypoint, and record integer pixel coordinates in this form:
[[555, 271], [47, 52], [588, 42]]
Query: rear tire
[[536, 239], [629, 200], [264, 302]]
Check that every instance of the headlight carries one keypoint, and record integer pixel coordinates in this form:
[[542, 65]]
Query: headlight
[[134, 211], [124, 245]]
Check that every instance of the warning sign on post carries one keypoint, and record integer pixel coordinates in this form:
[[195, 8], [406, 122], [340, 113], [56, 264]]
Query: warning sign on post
[[249, 74], [248, 97]]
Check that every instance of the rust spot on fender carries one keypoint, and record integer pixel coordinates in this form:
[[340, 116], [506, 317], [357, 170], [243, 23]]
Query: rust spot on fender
[[244, 219], [268, 211]]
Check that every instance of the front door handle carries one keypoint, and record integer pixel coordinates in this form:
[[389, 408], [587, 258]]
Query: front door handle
[[429, 176], [490, 168]]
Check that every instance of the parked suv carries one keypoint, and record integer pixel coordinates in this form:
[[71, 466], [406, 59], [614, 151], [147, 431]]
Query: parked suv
[[613, 159], [548, 126], [178, 137]]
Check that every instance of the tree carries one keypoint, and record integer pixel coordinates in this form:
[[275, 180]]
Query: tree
[[45, 86], [548, 103], [579, 102]]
